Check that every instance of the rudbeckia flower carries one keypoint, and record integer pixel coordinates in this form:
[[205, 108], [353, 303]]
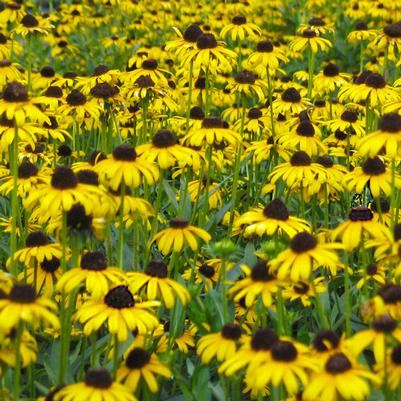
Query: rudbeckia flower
[[98, 385], [121, 312], [290, 102], [123, 166], [186, 41], [391, 368], [22, 305], [361, 33], [348, 121], [329, 79], [156, 284], [359, 225], [32, 25], [389, 37], [179, 234], [286, 364], [309, 39], [259, 282], [388, 137], [221, 345], [266, 56], [141, 366], [37, 249], [246, 83], [240, 29], [304, 292], [341, 377], [383, 328], [167, 152], [93, 273], [273, 219], [373, 174], [305, 255]]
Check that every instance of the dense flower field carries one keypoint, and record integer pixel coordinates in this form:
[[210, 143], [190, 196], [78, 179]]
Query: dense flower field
[[200, 200]]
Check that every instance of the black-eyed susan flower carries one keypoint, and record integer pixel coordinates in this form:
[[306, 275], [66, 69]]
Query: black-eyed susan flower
[[247, 84], [390, 369], [362, 32], [179, 234], [16, 105], [23, 305], [186, 40], [358, 227], [37, 249], [156, 284], [304, 292], [388, 137], [374, 174], [121, 313], [258, 282], [123, 166], [266, 56], [340, 377], [309, 39], [299, 170], [141, 365], [97, 385], [328, 80], [290, 102], [273, 219], [221, 345], [303, 138], [209, 54], [389, 37], [240, 29], [373, 273], [305, 255], [32, 25], [348, 121], [252, 353], [61, 194], [383, 329], [286, 364], [213, 131], [167, 152], [93, 273]]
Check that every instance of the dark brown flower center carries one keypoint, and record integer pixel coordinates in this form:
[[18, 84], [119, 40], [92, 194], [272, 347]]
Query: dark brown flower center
[[284, 351], [15, 92], [391, 123], [245, 77], [76, 98], [54, 91], [144, 81], [95, 157], [396, 355], [239, 20], [22, 294], [149, 64], [331, 70], [137, 358], [375, 81], [192, 33], [231, 331], [254, 113], [104, 90], [277, 210], [94, 261], [361, 26], [390, 293], [178, 222], [291, 95], [124, 152], [397, 232], [98, 378], [301, 288], [212, 122], [305, 129], [303, 242], [47, 72], [325, 161], [207, 270], [206, 41], [349, 116], [27, 170], [260, 271], [360, 213], [371, 269], [373, 166], [100, 70], [197, 113], [119, 297], [88, 177], [29, 21], [35, 239], [263, 339], [64, 178], [265, 46], [316, 21], [338, 363], [309, 33], [383, 203], [77, 219], [164, 139], [300, 159], [64, 151], [392, 30], [384, 324], [157, 268]]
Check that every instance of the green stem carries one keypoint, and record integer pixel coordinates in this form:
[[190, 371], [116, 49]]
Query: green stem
[[17, 370], [189, 101], [120, 255], [347, 297], [270, 95], [13, 152], [311, 70]]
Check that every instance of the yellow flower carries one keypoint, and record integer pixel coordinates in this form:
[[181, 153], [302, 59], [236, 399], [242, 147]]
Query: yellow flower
[[179, 233], [240, 29]]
